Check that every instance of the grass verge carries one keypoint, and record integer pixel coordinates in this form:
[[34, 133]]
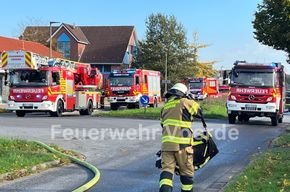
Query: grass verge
[[3, 110], [16, 155], [267, 172], [213, 108], [151, 113]]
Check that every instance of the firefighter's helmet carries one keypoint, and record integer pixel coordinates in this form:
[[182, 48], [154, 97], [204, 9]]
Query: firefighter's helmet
[[179, 89]]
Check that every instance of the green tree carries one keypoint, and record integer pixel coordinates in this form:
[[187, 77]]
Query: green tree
[[272, 24], [165, 41]]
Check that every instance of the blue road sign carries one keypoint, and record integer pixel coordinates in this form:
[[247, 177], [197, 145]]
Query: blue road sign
[[144, 100]]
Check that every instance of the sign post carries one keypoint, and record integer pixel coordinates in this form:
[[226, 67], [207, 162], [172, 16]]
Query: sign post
[[144, 100]]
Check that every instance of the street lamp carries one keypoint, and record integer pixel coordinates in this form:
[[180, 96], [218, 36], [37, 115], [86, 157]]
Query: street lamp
[[165, 87], [50, 38]]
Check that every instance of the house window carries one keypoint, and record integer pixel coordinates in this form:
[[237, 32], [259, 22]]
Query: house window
[[63, 45], [107, 68], [133, 50]]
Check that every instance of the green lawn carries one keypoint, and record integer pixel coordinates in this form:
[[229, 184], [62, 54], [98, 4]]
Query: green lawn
[[16, 154], [3, 110], [212, 107], [150, 113], [267, 172]]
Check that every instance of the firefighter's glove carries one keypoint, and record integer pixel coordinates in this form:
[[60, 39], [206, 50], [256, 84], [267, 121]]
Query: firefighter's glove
[[158, 160]]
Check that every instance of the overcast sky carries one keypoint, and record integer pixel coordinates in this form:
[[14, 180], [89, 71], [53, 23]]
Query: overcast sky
[[225, 24]]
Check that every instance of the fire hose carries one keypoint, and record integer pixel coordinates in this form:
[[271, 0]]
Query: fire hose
[[92, 168]]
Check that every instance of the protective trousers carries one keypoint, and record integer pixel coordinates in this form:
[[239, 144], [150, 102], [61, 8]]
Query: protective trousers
[[184, 159]]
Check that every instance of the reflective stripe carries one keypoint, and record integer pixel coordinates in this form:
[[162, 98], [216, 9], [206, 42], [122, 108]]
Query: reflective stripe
[[171, 103], [193, 109], [178, 123], [179, 140], [205, 162], [186, 187], [165, 182], [194, 143]]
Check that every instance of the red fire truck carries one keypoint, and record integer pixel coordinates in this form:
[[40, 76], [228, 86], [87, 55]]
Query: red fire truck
[[256, 90], [203, 87], [50, 85], [125, 87]]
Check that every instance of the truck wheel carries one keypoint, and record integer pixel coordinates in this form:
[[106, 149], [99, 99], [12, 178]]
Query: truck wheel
[[114, 106], [274, 121], [59, 109], [20, 113], [240, 118], [89, 110], [82, 112], [280, 120], [232, 118], [137, 105]]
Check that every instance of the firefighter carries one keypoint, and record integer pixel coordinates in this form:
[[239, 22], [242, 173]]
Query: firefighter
[[177, 138]]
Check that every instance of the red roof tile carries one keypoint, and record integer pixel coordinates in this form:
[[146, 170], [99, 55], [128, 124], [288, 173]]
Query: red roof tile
[[7, 44]]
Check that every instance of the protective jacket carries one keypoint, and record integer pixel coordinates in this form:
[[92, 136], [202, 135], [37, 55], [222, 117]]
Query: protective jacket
[[176, 121]]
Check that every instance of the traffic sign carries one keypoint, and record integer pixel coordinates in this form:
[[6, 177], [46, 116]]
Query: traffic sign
[[144, 100], [166, 81]]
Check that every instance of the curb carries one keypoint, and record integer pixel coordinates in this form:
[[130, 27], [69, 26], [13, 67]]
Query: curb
[[24, 172]]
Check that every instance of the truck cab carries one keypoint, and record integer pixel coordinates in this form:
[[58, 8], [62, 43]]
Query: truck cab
[[203, 87], [125, 87], [40, 84], [256, 90]]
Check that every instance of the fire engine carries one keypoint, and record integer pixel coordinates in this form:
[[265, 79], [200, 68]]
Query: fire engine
[[40, 84], [126, 86], [203, 87], [256, 90]]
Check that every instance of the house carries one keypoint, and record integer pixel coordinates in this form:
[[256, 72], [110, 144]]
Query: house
[[105, 47], [7, 44]]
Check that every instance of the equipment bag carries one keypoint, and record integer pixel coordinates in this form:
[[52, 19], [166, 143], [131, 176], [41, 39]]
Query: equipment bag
[[205, 151], [202, 152]]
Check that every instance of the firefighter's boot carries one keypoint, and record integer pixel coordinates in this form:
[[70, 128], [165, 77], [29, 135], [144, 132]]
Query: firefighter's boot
[[165, 182], [187, 184]]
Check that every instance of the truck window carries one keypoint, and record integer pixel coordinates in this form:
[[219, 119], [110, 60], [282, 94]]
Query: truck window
[[137, 81], [146, 79], [254, 78], [55, 78], [28, 77]]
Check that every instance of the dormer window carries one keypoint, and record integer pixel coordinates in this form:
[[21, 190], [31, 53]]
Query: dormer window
[[63, 45]]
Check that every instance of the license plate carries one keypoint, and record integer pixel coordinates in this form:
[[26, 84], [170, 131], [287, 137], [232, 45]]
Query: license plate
[[27, 105], [251, 107]]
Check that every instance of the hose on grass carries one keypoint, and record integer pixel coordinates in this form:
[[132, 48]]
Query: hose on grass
[[92, 168]]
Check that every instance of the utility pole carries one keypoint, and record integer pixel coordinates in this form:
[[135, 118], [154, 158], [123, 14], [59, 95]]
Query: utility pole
[[165, 72], [50, 38]]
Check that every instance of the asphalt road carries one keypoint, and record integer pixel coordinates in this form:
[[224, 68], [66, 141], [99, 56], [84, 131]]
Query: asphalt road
[[124, 149]]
